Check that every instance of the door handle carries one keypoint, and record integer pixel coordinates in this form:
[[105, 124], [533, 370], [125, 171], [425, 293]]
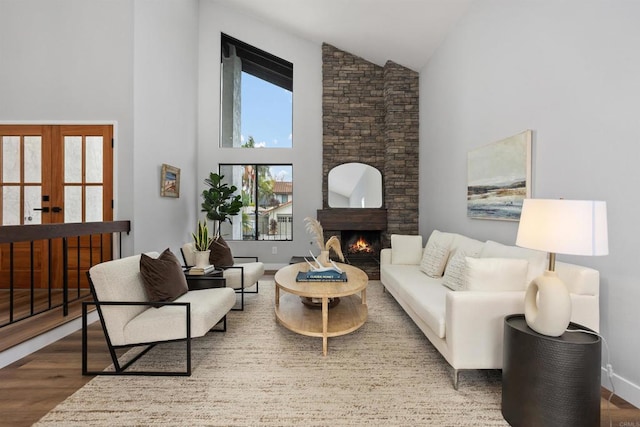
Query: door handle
[[56, 209], [45, 209]]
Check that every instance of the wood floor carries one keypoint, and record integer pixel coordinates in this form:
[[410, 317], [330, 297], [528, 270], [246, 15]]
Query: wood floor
[[35, 384], [32, 325]]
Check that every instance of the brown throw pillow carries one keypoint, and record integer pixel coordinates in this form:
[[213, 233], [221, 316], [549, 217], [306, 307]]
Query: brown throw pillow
[[162, 277], [220, 255]]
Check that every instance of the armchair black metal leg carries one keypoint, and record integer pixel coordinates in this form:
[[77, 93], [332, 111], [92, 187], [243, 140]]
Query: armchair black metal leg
[[84, 339], [241, 300], [253, 292], [241, 294], [224, 325]]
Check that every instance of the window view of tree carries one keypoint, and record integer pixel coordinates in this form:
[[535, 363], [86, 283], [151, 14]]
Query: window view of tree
[[267, 198]]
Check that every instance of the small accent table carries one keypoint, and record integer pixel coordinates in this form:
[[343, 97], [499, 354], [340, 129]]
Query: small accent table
[[210, 280], [550, 381]]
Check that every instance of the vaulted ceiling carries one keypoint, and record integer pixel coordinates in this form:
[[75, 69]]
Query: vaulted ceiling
[[404, 31]]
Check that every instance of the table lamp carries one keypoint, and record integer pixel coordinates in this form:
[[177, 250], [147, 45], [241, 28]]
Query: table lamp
[[572, 227]]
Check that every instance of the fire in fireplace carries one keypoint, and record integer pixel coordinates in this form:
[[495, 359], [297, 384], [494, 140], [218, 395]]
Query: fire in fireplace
[[361, 246], [360, 243]]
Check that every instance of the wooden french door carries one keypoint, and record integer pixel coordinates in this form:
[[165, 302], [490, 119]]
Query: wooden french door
[[54, 174]]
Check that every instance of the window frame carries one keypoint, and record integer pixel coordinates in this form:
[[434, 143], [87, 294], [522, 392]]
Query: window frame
[[288, 237], [259, 64]]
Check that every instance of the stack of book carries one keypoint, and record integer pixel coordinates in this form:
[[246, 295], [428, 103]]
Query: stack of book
[[201, 271], [322, 275]]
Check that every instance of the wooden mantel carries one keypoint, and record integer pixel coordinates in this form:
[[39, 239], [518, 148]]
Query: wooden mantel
[[353, 219]]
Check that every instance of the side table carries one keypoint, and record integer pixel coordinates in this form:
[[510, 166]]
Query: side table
[[550, 381], [210, 280]]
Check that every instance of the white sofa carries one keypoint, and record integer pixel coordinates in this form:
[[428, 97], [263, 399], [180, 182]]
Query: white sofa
[[466, 325]]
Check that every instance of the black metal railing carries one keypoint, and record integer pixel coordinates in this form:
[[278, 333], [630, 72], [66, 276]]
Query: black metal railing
[[42, 267]]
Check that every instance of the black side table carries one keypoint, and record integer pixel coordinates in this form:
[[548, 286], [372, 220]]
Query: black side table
[[550, 381], [210, 280]]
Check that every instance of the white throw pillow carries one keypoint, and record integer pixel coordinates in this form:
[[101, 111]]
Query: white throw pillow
[[537, 259], [441, 238], [496, 274], [434, 259], [454, 275], [406, 249]]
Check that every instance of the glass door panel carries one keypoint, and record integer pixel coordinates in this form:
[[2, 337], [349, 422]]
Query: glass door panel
[[87, 189], [23, 167]]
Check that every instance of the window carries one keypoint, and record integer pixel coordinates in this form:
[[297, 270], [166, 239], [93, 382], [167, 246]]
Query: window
[[256, 97], [267, 200]]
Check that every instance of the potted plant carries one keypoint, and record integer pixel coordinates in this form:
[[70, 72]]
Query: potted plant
[[220, 205], [201, 243]]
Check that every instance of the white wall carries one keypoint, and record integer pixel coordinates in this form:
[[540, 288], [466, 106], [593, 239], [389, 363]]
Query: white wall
[[165, 99], [570, 71], [71, 61], [306, 154], [77, 61]]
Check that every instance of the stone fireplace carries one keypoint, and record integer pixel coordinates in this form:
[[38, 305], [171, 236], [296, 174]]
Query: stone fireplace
[[370, 116]]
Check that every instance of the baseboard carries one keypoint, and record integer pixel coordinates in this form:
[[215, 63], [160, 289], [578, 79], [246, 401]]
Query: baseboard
[[19, 351], [273, 267], [623, 387]]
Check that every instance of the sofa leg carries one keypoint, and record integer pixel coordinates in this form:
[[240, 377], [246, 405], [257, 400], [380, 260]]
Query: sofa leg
[[456, 378]]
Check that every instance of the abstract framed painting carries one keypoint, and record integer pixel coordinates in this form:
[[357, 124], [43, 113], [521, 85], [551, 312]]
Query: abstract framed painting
[[499, 178], [170, 181]]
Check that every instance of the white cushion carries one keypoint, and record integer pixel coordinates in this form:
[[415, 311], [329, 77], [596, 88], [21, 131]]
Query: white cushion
[[434, 259], [208, 307], [119, 280], [252, 271], [496, 274], [454, 275], [578, 279], [406, 249], [471, 247], [441, 238], [424, 294], [537, 259], [188, 253]]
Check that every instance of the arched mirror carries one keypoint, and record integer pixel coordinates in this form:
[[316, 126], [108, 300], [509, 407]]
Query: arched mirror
[[355, 185]]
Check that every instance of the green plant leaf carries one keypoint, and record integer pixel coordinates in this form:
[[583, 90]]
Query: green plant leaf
[[219, 201]]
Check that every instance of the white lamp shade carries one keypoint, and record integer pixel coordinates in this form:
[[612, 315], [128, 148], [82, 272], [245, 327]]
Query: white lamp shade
[[572, 227]]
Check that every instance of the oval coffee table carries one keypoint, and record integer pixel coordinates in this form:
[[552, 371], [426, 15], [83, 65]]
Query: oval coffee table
[[345, 317]]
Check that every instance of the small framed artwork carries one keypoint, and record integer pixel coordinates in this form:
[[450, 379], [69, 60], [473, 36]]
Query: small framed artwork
[[170, 185], [499, 178]]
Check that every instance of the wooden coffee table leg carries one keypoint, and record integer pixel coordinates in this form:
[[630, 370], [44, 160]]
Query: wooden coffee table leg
[[325, 324]]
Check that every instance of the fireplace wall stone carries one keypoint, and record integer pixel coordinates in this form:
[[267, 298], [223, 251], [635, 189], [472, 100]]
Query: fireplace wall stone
[[370, 115]]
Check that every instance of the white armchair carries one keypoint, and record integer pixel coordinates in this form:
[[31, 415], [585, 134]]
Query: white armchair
[[130, 318], [240, 276]]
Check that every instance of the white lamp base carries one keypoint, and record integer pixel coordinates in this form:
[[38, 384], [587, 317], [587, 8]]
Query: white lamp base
[[547, 305]]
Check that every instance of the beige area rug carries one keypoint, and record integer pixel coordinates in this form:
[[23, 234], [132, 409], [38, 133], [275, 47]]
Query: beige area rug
[[260, 374]]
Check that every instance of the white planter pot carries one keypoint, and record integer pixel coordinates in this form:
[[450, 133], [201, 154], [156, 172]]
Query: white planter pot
[[201, 258]]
